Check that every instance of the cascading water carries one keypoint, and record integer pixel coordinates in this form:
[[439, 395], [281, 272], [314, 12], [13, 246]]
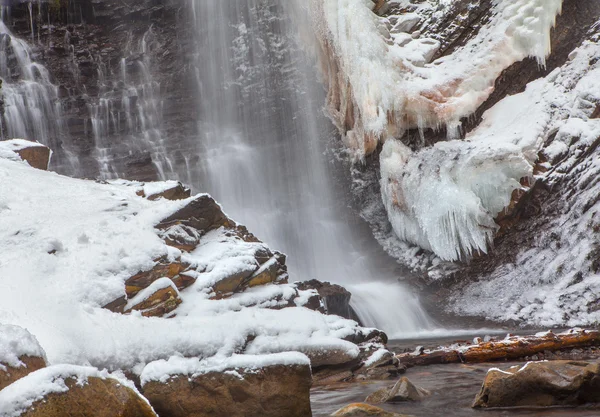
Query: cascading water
[[30, 100], [130, 106], [264, 135], [260, 150]]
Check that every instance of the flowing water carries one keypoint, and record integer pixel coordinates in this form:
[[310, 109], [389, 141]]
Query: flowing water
[[453, 388], [260, 150], [264, 135], [30, 100]]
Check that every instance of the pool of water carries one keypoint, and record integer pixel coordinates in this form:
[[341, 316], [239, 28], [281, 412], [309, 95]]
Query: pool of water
[[453, 388]]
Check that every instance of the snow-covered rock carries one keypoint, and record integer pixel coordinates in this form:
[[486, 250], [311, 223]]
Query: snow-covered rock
[[20, 354], [34, 153], [243, 385], [74, 244], [61, 390]]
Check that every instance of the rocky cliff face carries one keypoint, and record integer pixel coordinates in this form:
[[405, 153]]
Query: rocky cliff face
[[123, 77], [541, 265]]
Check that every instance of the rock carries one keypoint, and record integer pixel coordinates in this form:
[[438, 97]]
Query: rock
[[335, 297], [36, 154], [86, 396], [162, 268], [20, 354], [266, 274], [324, 356], [403, 390], [157, 300], [364, 410], [9, 374], [272, 391], [202, 213], [541, 384], [176, 192]]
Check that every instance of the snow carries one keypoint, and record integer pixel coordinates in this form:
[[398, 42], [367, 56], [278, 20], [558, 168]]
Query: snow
[[66, 248], [162, 370], [16, 398], [16, 342], [376, 356], [552, 280]]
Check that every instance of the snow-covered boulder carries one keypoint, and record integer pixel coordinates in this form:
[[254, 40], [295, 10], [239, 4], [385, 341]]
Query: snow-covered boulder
[[61, 390], [541, 384], [34, 153], [241, 386], [20, 354]]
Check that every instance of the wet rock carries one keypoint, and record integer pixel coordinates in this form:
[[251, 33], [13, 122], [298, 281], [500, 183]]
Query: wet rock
[[541, 384], [403, 390], [335, 297], [364, 410], [94, 397], [273, 391]]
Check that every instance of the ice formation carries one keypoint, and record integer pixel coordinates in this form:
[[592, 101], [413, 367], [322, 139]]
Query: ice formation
[[554, 279], [382, 81]]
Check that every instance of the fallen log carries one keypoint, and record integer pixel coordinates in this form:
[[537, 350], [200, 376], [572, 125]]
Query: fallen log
[[511, 347]]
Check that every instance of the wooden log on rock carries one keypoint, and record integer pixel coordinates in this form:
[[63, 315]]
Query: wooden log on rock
[[511, 347]]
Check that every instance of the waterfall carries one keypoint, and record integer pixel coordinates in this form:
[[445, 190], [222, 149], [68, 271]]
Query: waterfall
[[130, 106], [31, 107], [264, 135]]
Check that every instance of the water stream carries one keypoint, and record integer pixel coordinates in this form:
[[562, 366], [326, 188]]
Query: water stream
[[264, 135], [30, 100], [260, 149]]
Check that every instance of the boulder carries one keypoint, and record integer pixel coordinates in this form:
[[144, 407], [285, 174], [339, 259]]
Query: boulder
[[335, 297], [36, 154], [364, 410], [403, 390], [20, 354], [272, 391], [541, 384], [202, 213], [66, 390]]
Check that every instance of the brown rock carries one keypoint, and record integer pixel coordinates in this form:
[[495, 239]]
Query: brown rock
[[11, 374], [273, 391], [202, 213], [266, 274], [403, 390], [176, 192], [232, 283], [97, 398], [160, 303], [364, 410], [161, 269], [541, 384], [36, 155], [336, 298]]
